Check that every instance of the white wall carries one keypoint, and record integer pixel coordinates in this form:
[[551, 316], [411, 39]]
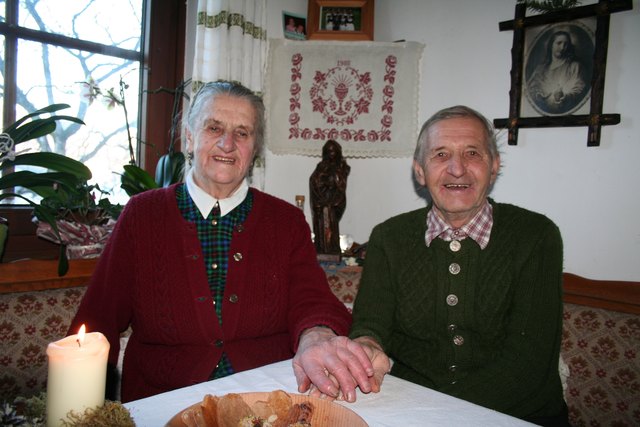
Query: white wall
[[592, 193]]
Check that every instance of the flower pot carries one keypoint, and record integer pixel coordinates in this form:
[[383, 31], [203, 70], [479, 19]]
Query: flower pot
[[82, 240]]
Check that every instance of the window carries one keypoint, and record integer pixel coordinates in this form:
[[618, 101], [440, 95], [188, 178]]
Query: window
[[163, 51], [85, 53]]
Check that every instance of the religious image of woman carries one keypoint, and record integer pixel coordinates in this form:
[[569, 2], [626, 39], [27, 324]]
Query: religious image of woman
[[561, 81], [328, 185]]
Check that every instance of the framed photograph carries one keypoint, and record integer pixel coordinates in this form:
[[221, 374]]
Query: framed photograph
[[558, 68], [294, 26], [350, 20]]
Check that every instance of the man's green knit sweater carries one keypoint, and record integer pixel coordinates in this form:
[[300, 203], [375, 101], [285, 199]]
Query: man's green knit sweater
[[481, 325]]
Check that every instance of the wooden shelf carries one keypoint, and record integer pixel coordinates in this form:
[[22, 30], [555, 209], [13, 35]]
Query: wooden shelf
[[37, 275]]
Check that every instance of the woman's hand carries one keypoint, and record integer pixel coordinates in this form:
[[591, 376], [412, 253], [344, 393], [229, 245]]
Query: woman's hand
[[333, 366]]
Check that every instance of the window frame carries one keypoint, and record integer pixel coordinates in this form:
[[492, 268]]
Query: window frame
[[162, 57]]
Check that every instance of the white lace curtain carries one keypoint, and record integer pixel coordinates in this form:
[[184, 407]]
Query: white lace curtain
[[231, 42]]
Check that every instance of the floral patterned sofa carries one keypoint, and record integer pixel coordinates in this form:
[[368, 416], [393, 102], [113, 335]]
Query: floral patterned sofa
[[36, 308], [31, 320], [601, 346]]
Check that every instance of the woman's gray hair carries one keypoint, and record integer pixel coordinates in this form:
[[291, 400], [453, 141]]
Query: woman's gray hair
[[457, 111], [209, 91]]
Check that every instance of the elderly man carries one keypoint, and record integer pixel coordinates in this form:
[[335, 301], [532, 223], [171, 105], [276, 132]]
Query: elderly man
[[465, 295]]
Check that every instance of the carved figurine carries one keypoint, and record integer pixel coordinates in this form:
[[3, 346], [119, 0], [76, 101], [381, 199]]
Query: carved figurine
[[328, 186]]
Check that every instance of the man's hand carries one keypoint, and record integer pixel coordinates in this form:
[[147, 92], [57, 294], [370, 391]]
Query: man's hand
[[334, 366], [379, 360]]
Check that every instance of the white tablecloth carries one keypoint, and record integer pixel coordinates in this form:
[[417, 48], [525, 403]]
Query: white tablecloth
[[399, 403]]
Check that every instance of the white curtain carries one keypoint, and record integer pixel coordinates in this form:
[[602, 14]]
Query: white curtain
[[231, 42]]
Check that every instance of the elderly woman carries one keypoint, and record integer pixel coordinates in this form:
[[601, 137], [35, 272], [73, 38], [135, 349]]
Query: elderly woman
[[215, 277]]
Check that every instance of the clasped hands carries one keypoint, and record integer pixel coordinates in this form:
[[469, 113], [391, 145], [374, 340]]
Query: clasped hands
[[331, 366]]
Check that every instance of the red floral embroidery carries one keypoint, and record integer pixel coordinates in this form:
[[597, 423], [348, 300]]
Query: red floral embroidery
[[597, 398], [579, 367], [605, 349], [626, 379], [54, 328], [631, 329], [31, 355], [72, 298], [8, 334], [27, 305], [341, 95], [587, 320], [604, 381]]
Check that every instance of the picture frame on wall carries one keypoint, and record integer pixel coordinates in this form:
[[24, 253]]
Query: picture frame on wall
[[558, 65], [348, 20], [294, 26]]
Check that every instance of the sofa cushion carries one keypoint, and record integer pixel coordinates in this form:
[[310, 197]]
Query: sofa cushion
[[601, 349], [29, 322]]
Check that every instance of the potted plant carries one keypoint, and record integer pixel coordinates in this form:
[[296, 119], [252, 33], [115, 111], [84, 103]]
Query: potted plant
[[62, 186], [170, 166], [134, 179]]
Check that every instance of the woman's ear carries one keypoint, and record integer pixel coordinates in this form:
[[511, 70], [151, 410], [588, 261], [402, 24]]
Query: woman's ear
[[189, 138], [418, 171]]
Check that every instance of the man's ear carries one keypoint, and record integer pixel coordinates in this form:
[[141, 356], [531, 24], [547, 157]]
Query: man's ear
[[418, 171], [495, 167]]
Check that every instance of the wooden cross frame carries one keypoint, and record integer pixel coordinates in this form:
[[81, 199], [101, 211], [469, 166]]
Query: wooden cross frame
[[595, 119]]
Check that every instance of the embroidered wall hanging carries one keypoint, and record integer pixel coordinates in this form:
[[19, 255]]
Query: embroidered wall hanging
[[363, 95]]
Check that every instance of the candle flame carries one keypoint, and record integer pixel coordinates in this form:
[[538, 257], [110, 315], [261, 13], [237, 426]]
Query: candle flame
[[81, 333]]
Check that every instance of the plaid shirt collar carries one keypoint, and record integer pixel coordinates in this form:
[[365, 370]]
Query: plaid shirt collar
[[205, 202], [479, 228]]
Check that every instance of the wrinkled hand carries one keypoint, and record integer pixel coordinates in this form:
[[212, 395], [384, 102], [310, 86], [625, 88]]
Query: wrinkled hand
[[333, 366], [379, 360]]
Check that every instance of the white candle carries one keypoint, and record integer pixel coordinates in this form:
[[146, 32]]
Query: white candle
[[77, 374]]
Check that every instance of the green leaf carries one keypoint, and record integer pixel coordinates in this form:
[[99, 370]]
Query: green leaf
[[10, 195], [32, 130], [48, 109], [52, 161], [140, 175], [135, 180], [38, 127], [169, 169], [33, 181]]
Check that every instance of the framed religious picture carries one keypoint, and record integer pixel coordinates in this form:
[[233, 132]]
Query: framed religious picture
[[349, 20], [558, 69]]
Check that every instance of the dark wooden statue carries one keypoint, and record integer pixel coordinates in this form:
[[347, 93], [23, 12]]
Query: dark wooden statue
[[328, 194]]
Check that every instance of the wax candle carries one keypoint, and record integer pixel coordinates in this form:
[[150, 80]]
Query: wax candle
[[77, 374]]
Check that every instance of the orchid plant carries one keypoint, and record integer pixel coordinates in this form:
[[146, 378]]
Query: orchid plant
[[63, 186]]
